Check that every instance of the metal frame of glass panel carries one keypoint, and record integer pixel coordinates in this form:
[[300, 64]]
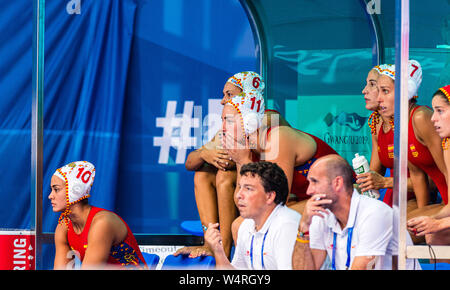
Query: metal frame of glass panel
[[402, 25], [37, 126], [258, 35], [376, 35], [401, 130]]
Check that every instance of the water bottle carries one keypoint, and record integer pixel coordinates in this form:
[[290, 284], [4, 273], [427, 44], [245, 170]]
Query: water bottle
[[360, 165]]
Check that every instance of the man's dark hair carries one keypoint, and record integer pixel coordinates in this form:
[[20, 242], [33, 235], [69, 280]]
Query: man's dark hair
[[272, 176]]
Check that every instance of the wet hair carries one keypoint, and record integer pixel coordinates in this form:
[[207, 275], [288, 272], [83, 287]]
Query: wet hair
[[272, 176]]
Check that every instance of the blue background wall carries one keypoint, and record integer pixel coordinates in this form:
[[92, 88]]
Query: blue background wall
[[182, 51], [111, 68]]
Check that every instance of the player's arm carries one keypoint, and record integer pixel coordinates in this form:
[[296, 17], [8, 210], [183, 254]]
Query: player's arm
[[279, 150], [419, 180], [374, 179], [194, 159], [273, 119], [102, 236], [375, 163], [62, 247], [445, 211], [209, 153], [426, 133]]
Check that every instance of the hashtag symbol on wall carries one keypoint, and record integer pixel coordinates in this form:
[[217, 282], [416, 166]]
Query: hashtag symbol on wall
[[176, 132]]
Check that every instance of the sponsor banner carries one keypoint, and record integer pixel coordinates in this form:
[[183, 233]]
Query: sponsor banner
[[342, 122], [17, 250]]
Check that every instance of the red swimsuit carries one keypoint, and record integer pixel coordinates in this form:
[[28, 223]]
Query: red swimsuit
[[418, 155], [386, 155], [127, 253], [299, 181]]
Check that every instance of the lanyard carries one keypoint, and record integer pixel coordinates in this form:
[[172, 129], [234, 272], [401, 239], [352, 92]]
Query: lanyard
[[349, 247], [262, 251]]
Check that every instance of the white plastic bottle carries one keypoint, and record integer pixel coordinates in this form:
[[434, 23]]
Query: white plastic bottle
[[361, 165]]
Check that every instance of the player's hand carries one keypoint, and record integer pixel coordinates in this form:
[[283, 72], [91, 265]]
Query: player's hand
[[238, 150], [370, 180], [219, 158], [423, 225]]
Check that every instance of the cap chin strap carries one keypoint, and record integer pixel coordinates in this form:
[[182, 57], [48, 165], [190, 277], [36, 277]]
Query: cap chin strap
[[64, 217]]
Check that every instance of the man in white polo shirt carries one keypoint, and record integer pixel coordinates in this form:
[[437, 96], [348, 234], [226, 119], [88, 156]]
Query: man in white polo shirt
[[353, 230], [267, 235]]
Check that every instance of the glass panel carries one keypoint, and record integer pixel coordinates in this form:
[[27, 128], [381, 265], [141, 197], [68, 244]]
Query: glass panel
[[182, 54], [429, 43], [113, 71], [318, 56]]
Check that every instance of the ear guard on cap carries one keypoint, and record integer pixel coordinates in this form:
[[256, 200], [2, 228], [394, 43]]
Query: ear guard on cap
[[250, 105], [251, 122], [414, 76], [79, 178]]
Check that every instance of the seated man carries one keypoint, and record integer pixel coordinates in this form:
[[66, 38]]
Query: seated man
[[267, 234], [355, 231], [100, 237]]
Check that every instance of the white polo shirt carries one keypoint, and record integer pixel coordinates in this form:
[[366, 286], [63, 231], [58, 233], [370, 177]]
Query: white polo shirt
[[372, 223], [272, 245]]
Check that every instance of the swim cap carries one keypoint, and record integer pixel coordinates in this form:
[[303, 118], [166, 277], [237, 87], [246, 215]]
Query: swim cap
[[446, 91], [79, 178], [380, 68], [250, 106], [414, 79], [248, 80], [414, 76]]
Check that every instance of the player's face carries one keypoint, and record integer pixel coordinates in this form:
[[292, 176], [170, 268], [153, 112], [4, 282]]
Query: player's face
[[441, 116], [229, 91], [232, 128], [386, 96], [58, 194], [370, 91]]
